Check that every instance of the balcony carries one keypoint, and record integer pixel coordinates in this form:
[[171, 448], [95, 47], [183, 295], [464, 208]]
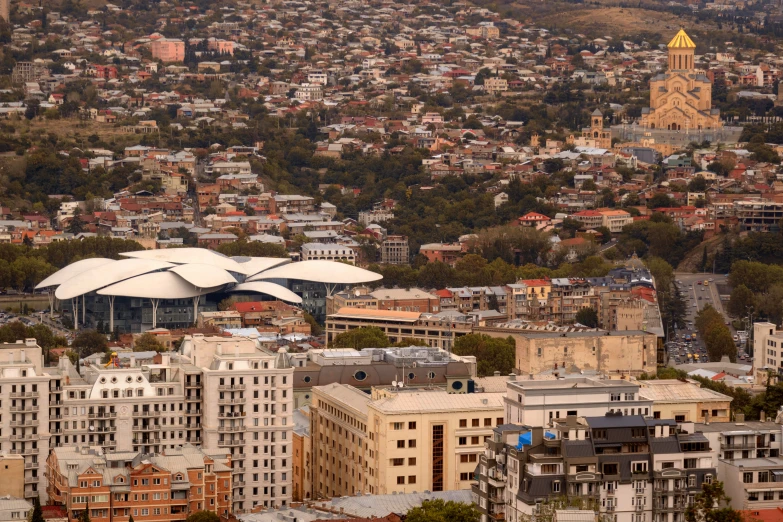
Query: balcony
[[146, 413], [194, 440], [193, 398], [24, 437], [30, 465], [230, 429], [148, 427], [232, 387], [240, 400], [193, 426], [238, 484], [191, 384], [103, 415], [105, 429], [54, 403], [233, 442], [31, 408], [230, 414], [738, 445], [24, 423], [31, 480], [24, 395]]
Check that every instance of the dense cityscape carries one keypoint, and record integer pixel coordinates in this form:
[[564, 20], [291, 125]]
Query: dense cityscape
[[375, 261]]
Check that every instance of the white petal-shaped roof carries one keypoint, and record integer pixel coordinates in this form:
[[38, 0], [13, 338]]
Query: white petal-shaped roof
[[254, 265], [203, 276], [186, 256], [72, 270], [109, 274], [265, 287], [157, 285], [320, 272]]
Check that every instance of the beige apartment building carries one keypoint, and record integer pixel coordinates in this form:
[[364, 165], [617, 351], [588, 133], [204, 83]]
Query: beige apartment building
[[626, 352], [216, 393], [397, 440], [685, 401], [435, 331]]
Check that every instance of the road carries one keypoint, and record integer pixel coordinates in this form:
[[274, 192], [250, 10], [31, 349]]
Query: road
[[698, 290]]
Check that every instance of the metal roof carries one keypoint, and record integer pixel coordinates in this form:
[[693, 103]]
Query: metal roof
[[91, 280], [320, 272], [157, 285], [265, 287], [72, 270], [203, 276], [183, 256]]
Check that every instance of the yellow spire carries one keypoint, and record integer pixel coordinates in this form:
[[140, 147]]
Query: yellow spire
[[682, 41]]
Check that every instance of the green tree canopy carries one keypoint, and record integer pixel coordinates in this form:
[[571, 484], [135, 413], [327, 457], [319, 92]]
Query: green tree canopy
[[741, 299], [716, 335], [711, 505], [587, 316], [147, 342], [441, 511], [89, 342], [203, 516], [359, 338], [493, 354]]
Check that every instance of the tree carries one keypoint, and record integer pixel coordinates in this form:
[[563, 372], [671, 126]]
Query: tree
[[707, 506], [32, 109], [315, 328], [203, 516], [436, 275], [442, 511], [660, 200], [359, 338], [89, 342], [493, 354], [84, 516], [741, 298], [587, 316], [697, 184], [37, 515], [76, 225], [147, 342]]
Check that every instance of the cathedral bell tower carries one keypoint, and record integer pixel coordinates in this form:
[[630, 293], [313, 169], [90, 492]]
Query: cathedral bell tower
[[681, 52]]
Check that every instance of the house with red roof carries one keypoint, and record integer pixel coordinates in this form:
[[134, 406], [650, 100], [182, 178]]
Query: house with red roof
[[533, 219]]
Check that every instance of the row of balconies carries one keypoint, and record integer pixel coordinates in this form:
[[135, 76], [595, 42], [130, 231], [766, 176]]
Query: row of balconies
[[24, 395]]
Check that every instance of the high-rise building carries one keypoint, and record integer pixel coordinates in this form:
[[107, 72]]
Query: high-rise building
[[217, 393], [397, 440]]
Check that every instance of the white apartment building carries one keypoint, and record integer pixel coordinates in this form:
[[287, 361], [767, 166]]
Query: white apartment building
[[220, 168], [318, 77], [216, 393], [537, 403], [767, 352], [330, 252], [309, 92]]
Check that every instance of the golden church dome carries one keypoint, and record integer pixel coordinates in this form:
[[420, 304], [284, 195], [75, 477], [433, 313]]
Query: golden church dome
[[682, 41]]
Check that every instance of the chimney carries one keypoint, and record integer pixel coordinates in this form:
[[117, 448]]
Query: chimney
[[497, 374], [707, 417], [739, 418], [763, 416], [512, 377]]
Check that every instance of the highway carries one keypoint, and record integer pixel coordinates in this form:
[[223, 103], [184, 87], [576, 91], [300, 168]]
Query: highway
[[698, 290]]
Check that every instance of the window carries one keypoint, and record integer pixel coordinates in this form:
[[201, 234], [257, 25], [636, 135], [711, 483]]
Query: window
[[400, 444], [398, 462], [400, 480], [475, 423], [556, 486], [411, 479], [615, 397], [691, 481], [763, 476], [747, 478], [412, 425], [708, 479], [463, 423], [412, 461], [640, 467], [474, 440], [412, 443], [463, 441], [397, 425], [464, 476]]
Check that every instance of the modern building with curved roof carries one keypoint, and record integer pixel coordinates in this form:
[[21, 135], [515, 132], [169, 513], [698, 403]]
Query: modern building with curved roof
[[150, 288]]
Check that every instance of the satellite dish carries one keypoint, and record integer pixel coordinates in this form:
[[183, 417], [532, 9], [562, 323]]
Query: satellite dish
[[414, 365], [394, 383]]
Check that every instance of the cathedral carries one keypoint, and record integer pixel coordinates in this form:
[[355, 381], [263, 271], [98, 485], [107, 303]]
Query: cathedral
[[681, 98]]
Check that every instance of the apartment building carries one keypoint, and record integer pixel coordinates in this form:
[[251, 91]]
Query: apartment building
[[758, 215], [406, 300], [528, 299], [754, 483], [615, 220], [415, 366], [627, 352], [767, 352], [310, 92], [627, 468], [435, 330], [116, 486], [218, 393], [741, 439], [569, 295], [397, 440], [686, 401], [538, 403], [328, 252], [168, 50], [395, 250]]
